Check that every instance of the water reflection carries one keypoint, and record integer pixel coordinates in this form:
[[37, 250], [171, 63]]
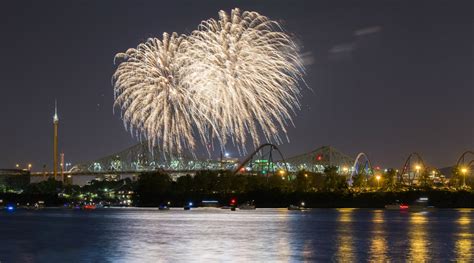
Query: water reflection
[[418, 236], [217, 235], [464, 244], [344, 240], [378, 244]]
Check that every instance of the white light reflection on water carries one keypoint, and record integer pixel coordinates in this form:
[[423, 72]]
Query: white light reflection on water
[[345, 246], [378, 242], [464, 243], [418, 237], [209, 235]]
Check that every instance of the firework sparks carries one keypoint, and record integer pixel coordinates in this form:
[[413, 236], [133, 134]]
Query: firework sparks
[[244, 71], [149, 92], [234, 79]]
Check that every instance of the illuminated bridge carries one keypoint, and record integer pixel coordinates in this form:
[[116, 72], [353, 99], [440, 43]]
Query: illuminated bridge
[[266, 159], [139, 158]]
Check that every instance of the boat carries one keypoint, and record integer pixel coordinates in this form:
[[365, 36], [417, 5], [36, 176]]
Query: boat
[[163, 207], [38, 205], [297, 207], [294, 208], [421, 204], [247, 206], [188, 207], [89, 207], [396, 206], [210, 203]]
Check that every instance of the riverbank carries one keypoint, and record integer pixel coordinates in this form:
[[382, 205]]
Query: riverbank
[[269, 199], [277, 199]]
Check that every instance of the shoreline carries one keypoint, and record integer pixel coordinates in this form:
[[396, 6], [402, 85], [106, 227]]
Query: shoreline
[[277, 199]]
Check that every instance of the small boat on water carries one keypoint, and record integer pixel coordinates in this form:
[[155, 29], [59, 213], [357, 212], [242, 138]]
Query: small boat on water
[[297, 207], [163, 207], [421, 204], [89, 207], [188, 207], [248, 206], [397, 205], [210, 203], [294, 208]]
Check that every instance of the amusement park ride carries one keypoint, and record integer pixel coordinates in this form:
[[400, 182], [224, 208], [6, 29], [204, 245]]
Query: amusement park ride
[[266, 160]]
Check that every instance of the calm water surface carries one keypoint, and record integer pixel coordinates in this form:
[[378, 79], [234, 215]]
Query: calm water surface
[[149, 235]]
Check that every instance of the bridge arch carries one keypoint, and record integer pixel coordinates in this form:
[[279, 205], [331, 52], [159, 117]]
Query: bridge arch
[[407, 169], [356, 167], [462, 159], [265, 152]]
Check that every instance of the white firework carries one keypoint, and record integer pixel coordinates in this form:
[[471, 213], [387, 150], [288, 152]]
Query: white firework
[[151, 96], [243, 72], [234, 79]]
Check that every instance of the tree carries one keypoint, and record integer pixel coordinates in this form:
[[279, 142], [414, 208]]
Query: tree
[[239, 183], [184, 184], [425, 180], [457, 179], [316, 181], [152, 188], [334, 182], [50, 186], [390, 179], [277, 182], [301, 182], [359, 182], [205, 182], [224, 182]]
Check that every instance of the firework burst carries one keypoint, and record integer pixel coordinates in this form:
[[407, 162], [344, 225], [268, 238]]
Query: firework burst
[[151, 96], [234, 79], [244, 71]]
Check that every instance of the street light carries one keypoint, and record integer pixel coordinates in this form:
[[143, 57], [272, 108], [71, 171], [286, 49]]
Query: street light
[[17, 165], [29, 166], [345, 169], [417, 168], [464, 172], [378, 180]]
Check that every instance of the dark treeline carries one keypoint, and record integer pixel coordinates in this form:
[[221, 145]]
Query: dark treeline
[[328, 189]]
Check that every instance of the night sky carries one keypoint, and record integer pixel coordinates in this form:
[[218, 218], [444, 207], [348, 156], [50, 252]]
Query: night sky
[[385, 77]]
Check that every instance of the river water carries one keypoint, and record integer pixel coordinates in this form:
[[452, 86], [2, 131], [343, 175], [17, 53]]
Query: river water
[[210, 235]]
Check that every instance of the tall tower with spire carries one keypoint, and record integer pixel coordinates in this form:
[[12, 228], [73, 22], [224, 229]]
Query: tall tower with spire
[[55, 140]]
